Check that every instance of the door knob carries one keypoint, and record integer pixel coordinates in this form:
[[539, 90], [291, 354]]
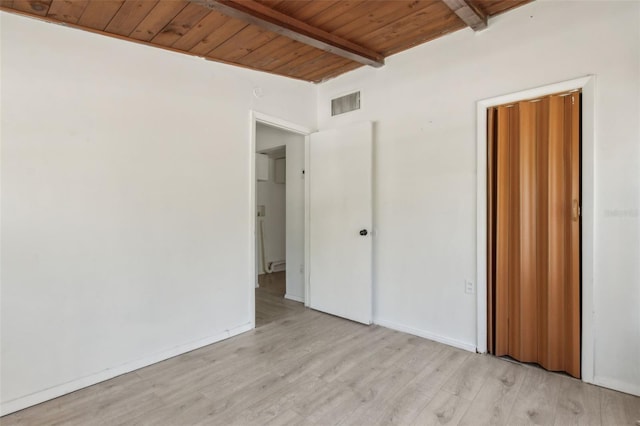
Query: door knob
[[363, 232]]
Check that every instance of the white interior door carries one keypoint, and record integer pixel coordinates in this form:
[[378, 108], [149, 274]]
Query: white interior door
[[340, 221]]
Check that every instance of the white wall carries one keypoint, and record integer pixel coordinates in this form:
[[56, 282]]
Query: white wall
[[126, 215], [271, 195], [268, 137], [423, 103]]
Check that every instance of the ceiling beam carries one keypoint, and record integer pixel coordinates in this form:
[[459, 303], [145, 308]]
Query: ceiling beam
[[272, 20], [469, 13]]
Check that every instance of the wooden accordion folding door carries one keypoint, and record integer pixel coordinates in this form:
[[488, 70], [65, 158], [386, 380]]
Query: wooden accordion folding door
[[534, 231]]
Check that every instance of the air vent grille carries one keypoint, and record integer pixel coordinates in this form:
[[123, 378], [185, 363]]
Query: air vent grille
[[346, 103]]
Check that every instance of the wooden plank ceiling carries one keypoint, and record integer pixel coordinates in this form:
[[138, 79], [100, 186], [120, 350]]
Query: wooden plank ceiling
[[311, 40]]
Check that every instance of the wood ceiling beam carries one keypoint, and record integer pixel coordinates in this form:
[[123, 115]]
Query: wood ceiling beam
[[272, 20], [469, 13]]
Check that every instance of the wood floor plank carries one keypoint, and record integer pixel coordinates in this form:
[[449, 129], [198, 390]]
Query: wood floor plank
[[619, 408], [356, 352], [444, 409], [380, 357], [121, 414], [231, 404], [537, 399], [197, 410], [468, 380], [280, 403], [443, 365], [289, 418], [422, 387], [579, 404], [329, 405], [497, 396], [319, 354], [421, 354], [375, 396], [404, 407]]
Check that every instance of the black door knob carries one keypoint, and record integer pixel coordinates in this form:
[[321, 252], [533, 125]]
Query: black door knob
[[363, 232]]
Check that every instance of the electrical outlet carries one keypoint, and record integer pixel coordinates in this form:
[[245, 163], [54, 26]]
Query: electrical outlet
[[302, 269], [468, 287]]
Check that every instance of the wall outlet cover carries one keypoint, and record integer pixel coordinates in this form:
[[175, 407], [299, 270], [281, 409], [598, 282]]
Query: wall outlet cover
[[469, 287]]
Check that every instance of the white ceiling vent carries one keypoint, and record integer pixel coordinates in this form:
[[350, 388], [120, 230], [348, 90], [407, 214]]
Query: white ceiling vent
[[346, 103]]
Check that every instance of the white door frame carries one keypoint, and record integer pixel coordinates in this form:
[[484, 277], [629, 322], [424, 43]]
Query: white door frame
[[254, 118], [587, 84]]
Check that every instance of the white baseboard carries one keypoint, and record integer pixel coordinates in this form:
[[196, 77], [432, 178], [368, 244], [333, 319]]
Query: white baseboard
[[427, 335], [59, 390], [294, 298], [630, 388]]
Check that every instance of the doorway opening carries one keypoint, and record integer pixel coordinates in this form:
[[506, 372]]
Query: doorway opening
[[279, 222], [328, 177], [587, 86]]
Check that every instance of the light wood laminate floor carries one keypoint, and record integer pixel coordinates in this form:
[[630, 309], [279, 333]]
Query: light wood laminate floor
[[308, 368], [270, 302]]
